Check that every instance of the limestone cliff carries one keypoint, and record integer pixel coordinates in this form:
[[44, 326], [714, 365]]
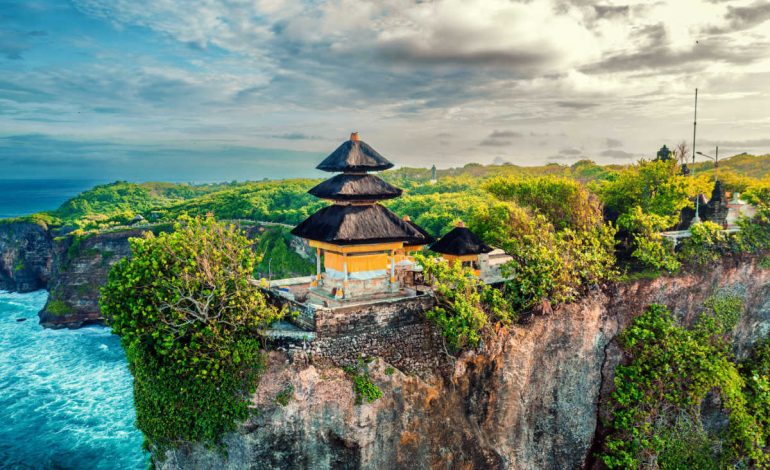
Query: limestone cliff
[[26, 256], [72, 267], [79, 271], [530, 399]]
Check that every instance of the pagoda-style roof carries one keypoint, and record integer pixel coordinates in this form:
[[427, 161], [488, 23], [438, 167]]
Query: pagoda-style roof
[[355, 187], [459, 242], [354, 156], [343, 224], [428, 237]]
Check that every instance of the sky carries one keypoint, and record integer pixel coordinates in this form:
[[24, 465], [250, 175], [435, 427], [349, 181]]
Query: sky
[[212, 90]]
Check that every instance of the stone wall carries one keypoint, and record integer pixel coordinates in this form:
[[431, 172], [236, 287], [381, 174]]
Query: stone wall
[[371, 317]]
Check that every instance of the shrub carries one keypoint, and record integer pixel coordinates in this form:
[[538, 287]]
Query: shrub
[[363, 387], [656, 186], [189, 321], [59, 308], [658, 394], [464, 303], [547, 265], [706, 244], [564, 203], [284, 396], [649, 247]]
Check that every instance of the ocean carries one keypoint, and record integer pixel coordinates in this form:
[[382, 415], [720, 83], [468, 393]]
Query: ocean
[[25, 196], [66, 397]]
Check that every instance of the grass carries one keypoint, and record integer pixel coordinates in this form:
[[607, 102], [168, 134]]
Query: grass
[[59, 308]]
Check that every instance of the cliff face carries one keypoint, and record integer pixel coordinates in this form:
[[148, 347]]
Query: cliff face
[[79, 271], [72, 268], [528, 400], [26, 256]]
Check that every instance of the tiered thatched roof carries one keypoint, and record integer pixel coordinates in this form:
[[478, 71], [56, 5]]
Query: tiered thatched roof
[[358, 224], [354, 156], [459, 242], [355, 187]]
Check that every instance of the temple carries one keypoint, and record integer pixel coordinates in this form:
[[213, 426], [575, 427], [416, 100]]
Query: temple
[[358, 242], [461, 245]]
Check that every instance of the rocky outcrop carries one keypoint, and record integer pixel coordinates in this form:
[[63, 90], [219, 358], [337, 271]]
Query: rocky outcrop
[[530, 399], [72, 267], [26, 256], [80, 270]]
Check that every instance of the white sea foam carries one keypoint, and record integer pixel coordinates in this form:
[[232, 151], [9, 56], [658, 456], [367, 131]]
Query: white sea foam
[[65, 396]]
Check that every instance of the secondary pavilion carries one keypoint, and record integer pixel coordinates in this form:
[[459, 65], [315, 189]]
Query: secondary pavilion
[[356, 239], [462, 245]]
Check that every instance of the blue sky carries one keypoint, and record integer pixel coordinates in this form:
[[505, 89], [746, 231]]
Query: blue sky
[[219, 90]]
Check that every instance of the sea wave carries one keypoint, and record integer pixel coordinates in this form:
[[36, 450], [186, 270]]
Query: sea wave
[[65, 395]]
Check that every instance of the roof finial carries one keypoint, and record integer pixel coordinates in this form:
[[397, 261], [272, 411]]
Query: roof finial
[[461, 224], [354, 136]]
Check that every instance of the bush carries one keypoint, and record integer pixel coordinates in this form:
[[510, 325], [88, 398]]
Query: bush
[[706, 244], [363, 387], [658, 394], [189, 321], [464, 303], [657, 187], [650, 249], [59, 308], [564, 203], [547, 265]]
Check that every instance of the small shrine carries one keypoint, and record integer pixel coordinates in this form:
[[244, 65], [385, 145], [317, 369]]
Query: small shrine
[[358, 241], [462, 245]]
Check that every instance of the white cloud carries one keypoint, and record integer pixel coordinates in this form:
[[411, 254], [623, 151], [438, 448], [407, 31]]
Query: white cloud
[[403, 71]]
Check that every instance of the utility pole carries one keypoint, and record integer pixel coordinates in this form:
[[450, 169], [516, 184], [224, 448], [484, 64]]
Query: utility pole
[[696, 219]]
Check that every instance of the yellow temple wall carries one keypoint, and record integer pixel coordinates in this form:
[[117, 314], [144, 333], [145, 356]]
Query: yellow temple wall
[[356, 263]]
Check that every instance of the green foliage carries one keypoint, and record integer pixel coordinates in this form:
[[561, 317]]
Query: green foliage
[[277, 259], [271, 201], [649, 246], [365, 390], [706, 244], [389, 370], [18, 265], [284, 396], [659, 393], [564, 203], [437, 212], [465, 306], [547, 265], [189, 321], [756, 371], [657, 187], [59, 308]]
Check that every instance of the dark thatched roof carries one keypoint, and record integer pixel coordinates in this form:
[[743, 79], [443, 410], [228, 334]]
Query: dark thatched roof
[[354, 155], [460, 241], [357, 224], [355, 187], [428, 238]]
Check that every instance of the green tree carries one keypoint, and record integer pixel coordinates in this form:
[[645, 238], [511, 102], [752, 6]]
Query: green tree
[[657, 187], [189, 321], [563, 202]]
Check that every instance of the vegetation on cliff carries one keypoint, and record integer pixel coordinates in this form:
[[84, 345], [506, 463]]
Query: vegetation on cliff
[[189, 321], [660, 394]]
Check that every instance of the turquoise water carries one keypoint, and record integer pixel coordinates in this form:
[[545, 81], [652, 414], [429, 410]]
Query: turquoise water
[[65, 395]]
